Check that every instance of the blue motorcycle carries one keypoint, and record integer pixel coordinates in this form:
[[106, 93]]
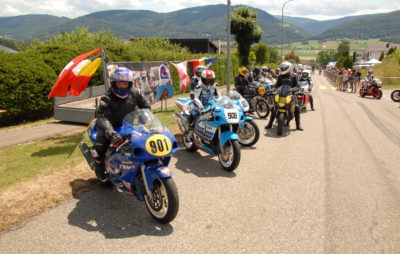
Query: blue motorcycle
[[215, 129], [139, 165], [248, 131]]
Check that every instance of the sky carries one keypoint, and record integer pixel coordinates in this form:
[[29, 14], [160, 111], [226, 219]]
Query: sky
[[314, 9]]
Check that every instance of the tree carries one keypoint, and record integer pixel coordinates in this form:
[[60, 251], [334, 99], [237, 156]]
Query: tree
[[325, 56], [244, 27], [343, 55], [382, 56], [261, 52]]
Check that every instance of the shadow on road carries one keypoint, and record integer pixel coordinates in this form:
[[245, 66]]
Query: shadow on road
[[272, 132], [200, 165], [114, 214]]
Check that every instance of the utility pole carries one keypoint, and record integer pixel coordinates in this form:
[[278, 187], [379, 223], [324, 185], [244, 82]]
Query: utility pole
[[283, 6], [228, 48]]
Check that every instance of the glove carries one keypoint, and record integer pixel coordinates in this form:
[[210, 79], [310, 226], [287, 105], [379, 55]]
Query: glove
[[115, 138], [192, 96]]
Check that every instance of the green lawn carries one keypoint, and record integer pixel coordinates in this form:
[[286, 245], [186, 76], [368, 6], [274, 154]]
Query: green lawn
[[23, 162]]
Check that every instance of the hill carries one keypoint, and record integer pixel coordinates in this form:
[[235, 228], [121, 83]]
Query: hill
[[26, 27], [383, 26], [198, 22]]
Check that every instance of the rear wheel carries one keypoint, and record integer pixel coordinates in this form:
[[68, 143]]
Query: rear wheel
[[229, 157], [281, 122], [250, 133], [188, 142], [395, 95], [165, 203], [262, 108]]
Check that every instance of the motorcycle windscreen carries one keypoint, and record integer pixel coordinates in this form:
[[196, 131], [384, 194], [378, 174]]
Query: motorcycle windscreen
[[284, 91], [143, 121], [224, 101]]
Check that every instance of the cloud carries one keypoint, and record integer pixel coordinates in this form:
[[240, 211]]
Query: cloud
[[322, 9]]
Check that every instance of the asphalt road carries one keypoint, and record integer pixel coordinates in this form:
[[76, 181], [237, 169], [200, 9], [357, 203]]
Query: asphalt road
[[333, 188]]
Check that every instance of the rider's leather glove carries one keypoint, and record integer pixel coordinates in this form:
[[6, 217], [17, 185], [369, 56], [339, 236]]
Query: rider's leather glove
[[115, 138]]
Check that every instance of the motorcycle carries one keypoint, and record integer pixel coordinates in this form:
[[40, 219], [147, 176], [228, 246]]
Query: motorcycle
[[374, 89], [139, 163], [248, 131], [284, 107], [303, 96], [214, 131], [395, 95], [254, 95]]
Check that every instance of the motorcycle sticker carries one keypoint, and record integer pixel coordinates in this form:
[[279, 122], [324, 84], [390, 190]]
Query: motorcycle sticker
[[158, 145]]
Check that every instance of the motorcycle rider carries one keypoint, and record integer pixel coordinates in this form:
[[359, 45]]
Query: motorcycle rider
[[369, 78], [256, 74], [242, 80], [286, 78], [305, 76], [206, 89], [118, 101], [194, 81]]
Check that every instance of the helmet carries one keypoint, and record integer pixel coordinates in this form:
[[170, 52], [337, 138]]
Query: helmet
[[208, 77], [243, 71], [265, 69], [285, 68], [121, 74], [256, 71], [370, 71], [199, 69], [305, 74]]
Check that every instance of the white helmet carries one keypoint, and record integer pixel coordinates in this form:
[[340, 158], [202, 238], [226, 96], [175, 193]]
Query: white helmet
[[285, 67]]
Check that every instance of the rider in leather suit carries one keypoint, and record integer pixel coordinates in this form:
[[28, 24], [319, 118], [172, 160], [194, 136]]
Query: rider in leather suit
[[286, 78], [305, 76], [242, 80], [118, 101], [196, 80]]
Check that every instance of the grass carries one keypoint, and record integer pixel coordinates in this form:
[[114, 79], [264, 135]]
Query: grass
[[28, 161]]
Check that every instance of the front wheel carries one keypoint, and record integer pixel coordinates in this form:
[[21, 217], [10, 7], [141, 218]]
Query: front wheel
[[165, 203], [378, 94], [281, 122], [250, 133], [395, 95], [229, 157], [262, 109]]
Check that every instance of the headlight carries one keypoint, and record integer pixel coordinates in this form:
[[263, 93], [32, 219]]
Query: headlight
[[261, 90]]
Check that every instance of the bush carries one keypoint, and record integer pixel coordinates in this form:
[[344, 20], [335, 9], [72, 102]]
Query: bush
[[25, 81]]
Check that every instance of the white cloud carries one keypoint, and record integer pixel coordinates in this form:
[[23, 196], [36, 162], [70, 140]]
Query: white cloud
[[321, 9]]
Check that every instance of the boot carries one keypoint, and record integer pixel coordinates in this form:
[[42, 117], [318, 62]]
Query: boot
[[297, 118], [99, 171], [312, 103], [268, 126]]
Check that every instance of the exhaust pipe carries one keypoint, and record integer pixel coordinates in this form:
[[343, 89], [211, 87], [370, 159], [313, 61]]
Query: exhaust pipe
[[87, 153], [181, 122]]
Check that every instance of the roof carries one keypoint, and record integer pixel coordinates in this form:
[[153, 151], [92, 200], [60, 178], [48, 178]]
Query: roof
[[9, 50]]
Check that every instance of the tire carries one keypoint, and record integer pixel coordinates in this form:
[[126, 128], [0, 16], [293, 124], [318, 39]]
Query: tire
[[165, 204], [378, 94], [189, 144], [262, 109], [281, 122], [107, 183], [249, 126], [230, 164], [395, 96]]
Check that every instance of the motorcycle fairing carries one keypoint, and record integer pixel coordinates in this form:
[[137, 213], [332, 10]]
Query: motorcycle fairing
[[227, 135]]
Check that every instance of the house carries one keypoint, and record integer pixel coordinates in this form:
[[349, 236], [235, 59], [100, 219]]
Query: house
[[205, 45]]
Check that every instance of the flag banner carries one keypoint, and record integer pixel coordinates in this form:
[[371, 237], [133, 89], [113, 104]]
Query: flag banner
[[206, 62], [183, 76], [152, 79], [76, 75]]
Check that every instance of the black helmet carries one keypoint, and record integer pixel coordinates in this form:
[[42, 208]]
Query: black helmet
[[256, 71]]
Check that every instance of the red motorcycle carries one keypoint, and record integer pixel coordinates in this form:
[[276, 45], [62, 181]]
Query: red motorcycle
[[374, 89], [303, 96]]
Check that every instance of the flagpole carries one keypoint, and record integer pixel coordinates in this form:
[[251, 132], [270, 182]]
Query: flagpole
[[105, 71], [228, 46]]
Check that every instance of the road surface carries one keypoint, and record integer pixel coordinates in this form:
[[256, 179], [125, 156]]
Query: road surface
[[333, 188]]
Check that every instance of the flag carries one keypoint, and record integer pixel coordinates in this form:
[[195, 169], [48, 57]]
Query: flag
[[183, 76], [206, 62], [75, 75]]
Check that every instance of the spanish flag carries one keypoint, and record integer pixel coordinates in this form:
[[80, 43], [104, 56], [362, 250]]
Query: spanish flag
[[76, 75]]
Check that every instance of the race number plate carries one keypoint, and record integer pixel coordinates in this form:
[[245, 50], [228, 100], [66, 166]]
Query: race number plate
[[158, 145]]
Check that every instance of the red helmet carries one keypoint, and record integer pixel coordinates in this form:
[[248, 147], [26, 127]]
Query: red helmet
[[208, 77]]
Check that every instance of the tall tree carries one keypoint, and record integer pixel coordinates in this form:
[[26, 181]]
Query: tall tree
[[244, 27]]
